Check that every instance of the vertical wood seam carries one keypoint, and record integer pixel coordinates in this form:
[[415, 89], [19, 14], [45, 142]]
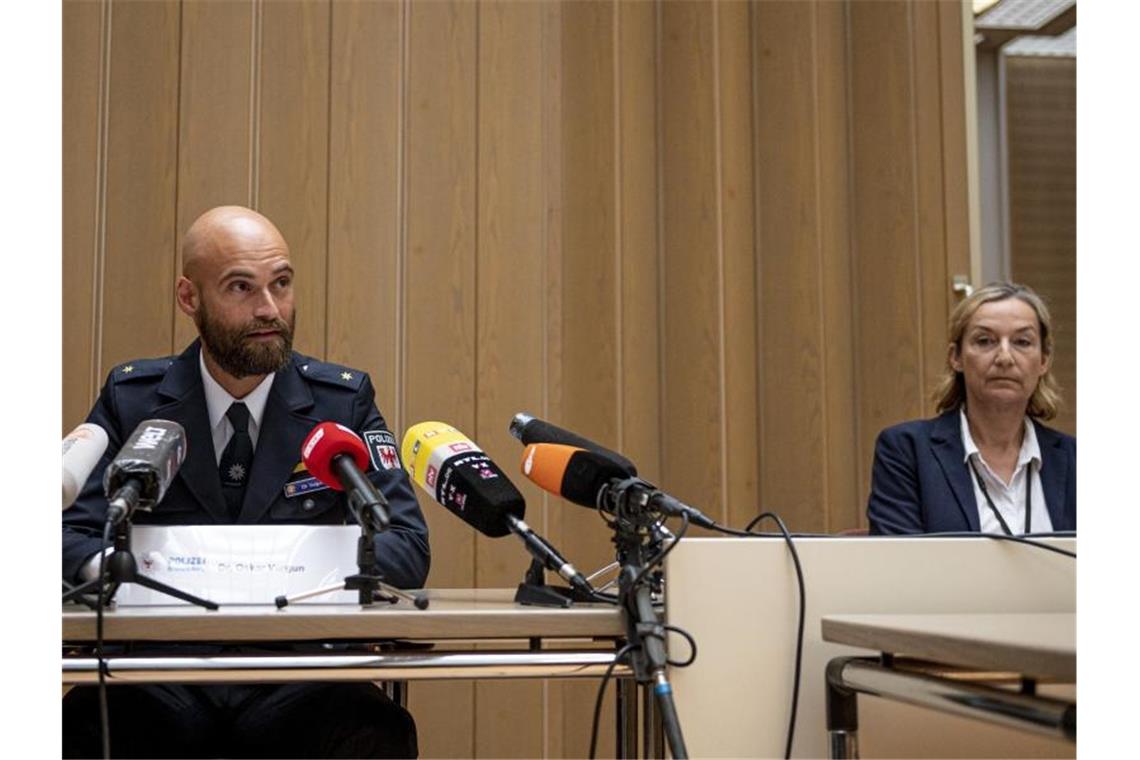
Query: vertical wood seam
[[475, 216], [102, 139], [328, 173], [947, 299], [718, 165], [825, 417], [912, 80], [474, 190], [619, 241], [659, 111], [758, 268], [543, 299], [1005, 255], [177, 174], [856, 306], [401, 339], [256, 11]]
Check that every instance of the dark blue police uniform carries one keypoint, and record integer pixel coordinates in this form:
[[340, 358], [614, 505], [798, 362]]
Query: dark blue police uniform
[[255, 720]]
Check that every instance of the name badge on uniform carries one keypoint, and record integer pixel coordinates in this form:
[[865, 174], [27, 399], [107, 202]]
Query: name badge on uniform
[[300, 482]]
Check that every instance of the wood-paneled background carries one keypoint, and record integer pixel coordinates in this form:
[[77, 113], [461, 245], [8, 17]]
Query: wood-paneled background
[[717, 236]]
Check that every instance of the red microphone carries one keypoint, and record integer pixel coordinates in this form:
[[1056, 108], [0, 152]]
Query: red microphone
[[336, 456]]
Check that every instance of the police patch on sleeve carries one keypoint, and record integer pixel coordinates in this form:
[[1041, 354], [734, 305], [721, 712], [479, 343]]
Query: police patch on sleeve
[[382, 449]]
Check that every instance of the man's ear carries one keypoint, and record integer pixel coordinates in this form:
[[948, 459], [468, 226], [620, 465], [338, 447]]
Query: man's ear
[[186, 294]]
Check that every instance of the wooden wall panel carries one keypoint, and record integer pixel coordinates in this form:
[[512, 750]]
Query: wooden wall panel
[[692, 443], [739, 418], [142, 145], [790, 268], [954, 74], [638, 245], [366, 126], [292, 153], [843, 499], [440, 305], [934, 280], [214, 119], [589, 350], [84, 79], [885, 234], [510, 273]]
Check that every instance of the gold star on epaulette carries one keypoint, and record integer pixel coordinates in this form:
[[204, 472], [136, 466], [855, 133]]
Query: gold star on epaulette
[[128, 369], [345, 375]]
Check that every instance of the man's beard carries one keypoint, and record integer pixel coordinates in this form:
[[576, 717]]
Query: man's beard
[[240, 357]]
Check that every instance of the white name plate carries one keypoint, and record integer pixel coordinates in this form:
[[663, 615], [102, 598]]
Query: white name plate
[[242, 564]]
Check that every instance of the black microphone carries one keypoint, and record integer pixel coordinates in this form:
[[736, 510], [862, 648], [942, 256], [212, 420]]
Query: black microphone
[[138, 476], [530, 429], [587, 478], [458, 475]]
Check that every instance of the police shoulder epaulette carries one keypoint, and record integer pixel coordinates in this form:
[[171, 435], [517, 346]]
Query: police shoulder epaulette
[[331, 374], [141, 368]]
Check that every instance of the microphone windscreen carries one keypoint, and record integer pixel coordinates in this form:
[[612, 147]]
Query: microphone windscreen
[[326, 441], [575, 474], [82, 450], [530, 430], [152, 455], [458, 475]]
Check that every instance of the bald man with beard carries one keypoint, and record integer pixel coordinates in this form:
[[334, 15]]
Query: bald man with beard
[[246, 401]]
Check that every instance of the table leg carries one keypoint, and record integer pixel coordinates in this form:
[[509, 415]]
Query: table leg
[[842, 714], [626, 718]]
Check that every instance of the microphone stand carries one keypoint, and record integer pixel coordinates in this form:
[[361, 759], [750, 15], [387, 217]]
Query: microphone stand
[[635, 533], [367, 581], [535, 591], [122, 568]]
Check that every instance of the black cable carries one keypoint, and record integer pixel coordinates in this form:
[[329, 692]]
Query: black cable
[[998, 537], [104, 719], [625, 650], [692, 646], [800, 627], [1024, 539]]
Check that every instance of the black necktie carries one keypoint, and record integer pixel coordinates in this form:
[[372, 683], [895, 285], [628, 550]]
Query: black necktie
[[236, 459]]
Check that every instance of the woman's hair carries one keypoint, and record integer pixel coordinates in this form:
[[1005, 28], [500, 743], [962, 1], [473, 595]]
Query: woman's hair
[[951, 390]]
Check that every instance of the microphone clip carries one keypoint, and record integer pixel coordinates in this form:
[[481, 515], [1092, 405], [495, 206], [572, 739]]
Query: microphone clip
[[535, 591]]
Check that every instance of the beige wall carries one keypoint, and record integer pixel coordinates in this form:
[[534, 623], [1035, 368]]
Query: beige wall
[[716, 236]]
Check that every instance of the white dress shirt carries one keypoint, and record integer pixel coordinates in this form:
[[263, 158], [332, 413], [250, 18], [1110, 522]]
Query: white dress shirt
[[218, 401], [1008, 498]]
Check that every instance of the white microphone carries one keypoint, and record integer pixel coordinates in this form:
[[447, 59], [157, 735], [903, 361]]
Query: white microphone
[[82, 449]]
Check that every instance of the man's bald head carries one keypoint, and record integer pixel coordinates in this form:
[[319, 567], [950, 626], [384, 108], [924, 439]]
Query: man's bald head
[[220, 232], [237, 286]]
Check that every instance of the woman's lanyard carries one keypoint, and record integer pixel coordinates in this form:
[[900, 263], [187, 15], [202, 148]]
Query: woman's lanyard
[[994, 509]]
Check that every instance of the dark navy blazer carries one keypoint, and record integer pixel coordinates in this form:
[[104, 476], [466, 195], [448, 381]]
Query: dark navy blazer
[[920, 482], [306, 392]]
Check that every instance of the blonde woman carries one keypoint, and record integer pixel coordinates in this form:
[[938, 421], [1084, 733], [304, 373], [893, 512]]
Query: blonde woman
[[986, 464]]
